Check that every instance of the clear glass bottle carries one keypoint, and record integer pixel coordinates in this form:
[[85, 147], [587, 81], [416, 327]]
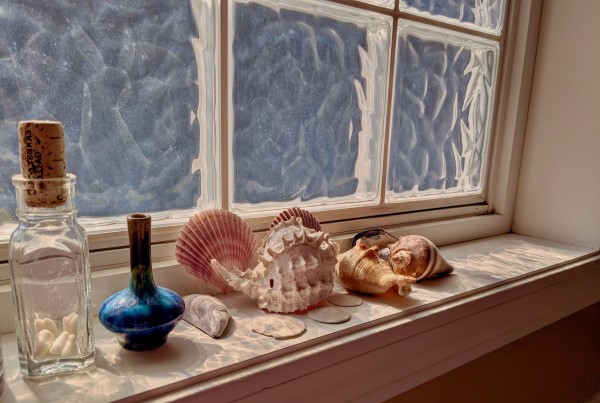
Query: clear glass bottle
[[50, 279]]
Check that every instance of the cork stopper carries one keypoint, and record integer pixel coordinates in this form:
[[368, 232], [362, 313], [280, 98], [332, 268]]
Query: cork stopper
[[42, 156]]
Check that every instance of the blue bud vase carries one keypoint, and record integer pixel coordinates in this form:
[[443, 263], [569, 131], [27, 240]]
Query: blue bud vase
[[143, 314]]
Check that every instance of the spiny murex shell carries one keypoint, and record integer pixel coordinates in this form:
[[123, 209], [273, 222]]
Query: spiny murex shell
[[294, 270], [417, 256], [207, 313], [361, 269], [215, 234]]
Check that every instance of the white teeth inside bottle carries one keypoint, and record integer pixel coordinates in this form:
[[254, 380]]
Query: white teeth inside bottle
[[49, 342]]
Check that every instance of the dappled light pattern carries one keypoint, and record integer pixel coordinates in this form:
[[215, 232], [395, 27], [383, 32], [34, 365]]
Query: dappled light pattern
[[296, 101], [190, 353], [122, 78], [441, 119]]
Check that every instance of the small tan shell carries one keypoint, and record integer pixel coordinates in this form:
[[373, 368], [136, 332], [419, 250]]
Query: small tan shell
[[215, 234], [308, 220], [417, 256], [360, 269], [207, 313]]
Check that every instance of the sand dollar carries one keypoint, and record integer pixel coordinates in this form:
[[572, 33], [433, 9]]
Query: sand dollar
[[278, 327], [329, 314], [345, 300]]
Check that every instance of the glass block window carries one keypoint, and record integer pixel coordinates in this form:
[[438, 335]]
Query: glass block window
[[123, 78], [483, 15], [320, 111], [308, 84], [442, 109]]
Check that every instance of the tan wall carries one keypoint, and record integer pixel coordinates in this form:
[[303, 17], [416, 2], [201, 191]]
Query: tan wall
[[558, 196], [558, 363]]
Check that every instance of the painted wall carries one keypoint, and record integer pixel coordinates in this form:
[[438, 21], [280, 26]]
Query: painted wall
[[558, 363], [558, 196]]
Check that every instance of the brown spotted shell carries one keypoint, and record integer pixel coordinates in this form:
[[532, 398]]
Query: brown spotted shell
[[308, 220], [215, 234], [361, 269], [417, 256]]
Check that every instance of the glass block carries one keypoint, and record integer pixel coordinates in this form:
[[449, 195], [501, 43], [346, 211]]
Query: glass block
[[442, 112], [307, 109], [483, 15], [124, 79], [381, 3]]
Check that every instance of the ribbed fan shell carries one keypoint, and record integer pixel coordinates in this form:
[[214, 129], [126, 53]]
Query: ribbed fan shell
[[308, 220], [215, 234]]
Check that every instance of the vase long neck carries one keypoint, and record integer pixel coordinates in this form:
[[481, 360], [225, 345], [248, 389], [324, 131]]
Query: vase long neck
[[142, 280]]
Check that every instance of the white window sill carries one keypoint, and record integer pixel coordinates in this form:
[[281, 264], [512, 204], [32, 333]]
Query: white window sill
[[504, 287]]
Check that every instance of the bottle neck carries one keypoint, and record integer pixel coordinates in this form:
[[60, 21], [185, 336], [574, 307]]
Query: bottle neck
[[38, 217], [142, 280]]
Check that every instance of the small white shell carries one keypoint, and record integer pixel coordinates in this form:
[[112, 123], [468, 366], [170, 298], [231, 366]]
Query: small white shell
[[70, 346], [207, 313], [215, 234], [43, 341], [59, 344], [47, 324], [70, 323], [278, 327]]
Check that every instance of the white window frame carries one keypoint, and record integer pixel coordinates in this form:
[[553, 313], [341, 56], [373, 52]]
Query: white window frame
[[460, 219]]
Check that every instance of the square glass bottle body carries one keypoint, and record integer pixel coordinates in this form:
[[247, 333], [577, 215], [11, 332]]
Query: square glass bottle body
[[50, 279]]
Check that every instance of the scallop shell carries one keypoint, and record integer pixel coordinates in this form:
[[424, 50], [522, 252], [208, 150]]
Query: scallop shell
[[215, 234], [308, 220], [207, 313], [294, 270], [361, 269], [417, 256]]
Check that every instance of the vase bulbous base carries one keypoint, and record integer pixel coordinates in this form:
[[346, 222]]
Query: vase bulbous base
[[146, 339]]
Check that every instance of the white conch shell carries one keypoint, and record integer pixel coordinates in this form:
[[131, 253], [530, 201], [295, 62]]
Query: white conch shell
[[215, 234], [360, 269], [417, 256], [207, 313], [294, 270]]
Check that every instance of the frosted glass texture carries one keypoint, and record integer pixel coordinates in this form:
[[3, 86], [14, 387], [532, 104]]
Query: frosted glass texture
[[483, 15], [308, 81], [442, 110], [123, 79]]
